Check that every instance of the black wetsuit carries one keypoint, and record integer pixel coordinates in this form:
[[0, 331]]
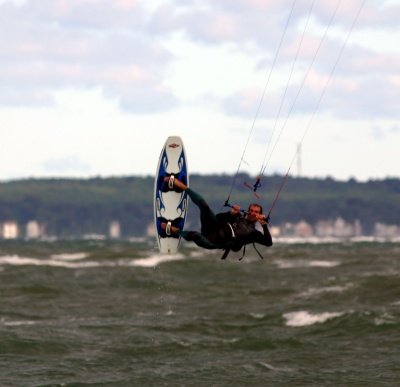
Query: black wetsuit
[[224, 230]]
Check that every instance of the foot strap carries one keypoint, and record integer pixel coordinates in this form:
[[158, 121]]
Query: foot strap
[[171, 182], [168, 228]]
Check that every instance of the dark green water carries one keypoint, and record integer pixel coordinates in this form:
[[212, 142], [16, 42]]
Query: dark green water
[[110, 314]]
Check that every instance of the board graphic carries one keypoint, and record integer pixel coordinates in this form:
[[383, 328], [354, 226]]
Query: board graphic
[[169, 205]]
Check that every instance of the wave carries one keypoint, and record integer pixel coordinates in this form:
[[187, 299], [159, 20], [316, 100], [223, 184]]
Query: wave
[[294, 264], [156, 260], [304, 318], [257, 316], [76, 261], [18, 323], [328, 289], [334, 240], [16, 260], [310, 240], [386, 319], [80, 260], [70, 256], [270, 367]]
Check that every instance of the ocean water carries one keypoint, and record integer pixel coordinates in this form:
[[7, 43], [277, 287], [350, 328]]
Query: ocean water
[[101, 313]]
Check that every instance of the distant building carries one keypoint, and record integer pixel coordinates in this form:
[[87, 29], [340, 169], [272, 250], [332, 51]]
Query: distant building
[[288, 229], [10, 230], [115, 230], [33, 230], [324, 228], [303, 230], [358, 230], [151, 231], [337, 228], [342, 229], [275, 231], [386, 230]]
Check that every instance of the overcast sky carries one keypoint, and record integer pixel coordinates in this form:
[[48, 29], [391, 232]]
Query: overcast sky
[[94, 87]]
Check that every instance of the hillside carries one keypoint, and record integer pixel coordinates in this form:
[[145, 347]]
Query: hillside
[[73, 207]]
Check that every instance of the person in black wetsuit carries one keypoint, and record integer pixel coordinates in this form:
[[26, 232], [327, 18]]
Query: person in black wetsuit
[[229, 230]]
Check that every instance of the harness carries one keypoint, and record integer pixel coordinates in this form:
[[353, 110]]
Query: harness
[[227, 251], [232, 232]]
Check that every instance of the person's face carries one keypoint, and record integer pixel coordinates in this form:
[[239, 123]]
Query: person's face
[[253, 213]]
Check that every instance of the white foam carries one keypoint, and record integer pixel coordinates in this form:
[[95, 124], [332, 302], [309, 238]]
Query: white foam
[[328, 289], [276, 369], [197, 254], [156, 260], [73, 261], [70, 256], [16, 260], [324, 263], [304, 318], [257, 316], [385, 319], [17, 323], [299, 263], [230, 341], [332, 240]]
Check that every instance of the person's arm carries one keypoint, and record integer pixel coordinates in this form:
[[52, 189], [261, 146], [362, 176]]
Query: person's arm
[[229, 216], [264, 238]]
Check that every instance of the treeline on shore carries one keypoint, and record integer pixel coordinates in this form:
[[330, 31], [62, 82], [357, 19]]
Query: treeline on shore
[[75, 207]]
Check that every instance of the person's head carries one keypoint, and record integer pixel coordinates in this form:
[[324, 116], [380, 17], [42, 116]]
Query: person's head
[[253, 211]]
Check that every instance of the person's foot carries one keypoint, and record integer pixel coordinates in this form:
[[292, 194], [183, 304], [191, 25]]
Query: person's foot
[[174, 184], [169, 228]]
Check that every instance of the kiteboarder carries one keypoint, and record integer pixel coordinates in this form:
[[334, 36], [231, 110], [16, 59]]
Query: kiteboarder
[[230, 230]]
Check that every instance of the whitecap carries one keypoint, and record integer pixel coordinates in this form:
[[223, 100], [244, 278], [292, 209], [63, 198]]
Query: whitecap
[[156, 260], [16, 323], [73, 263], [324, 263], [296, 263], [230, 341], [311, 240], [304, 318], [257, 316], [328, 289], [276, 369], [196, 254], [69, 256], [16, 260], [385, 319], [286, 264]]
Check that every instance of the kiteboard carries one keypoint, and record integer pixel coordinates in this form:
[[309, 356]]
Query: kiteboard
[[170, 205]]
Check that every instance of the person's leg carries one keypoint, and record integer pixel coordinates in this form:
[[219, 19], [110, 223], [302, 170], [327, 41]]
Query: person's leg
[[190, 236], [169, 228], [198, 238], [208, 220], [171, 182]]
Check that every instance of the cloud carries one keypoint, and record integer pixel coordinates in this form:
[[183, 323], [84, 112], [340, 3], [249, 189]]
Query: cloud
[[395, 129], [81, 44], [381, 14], [345, 97], [121, 46]]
